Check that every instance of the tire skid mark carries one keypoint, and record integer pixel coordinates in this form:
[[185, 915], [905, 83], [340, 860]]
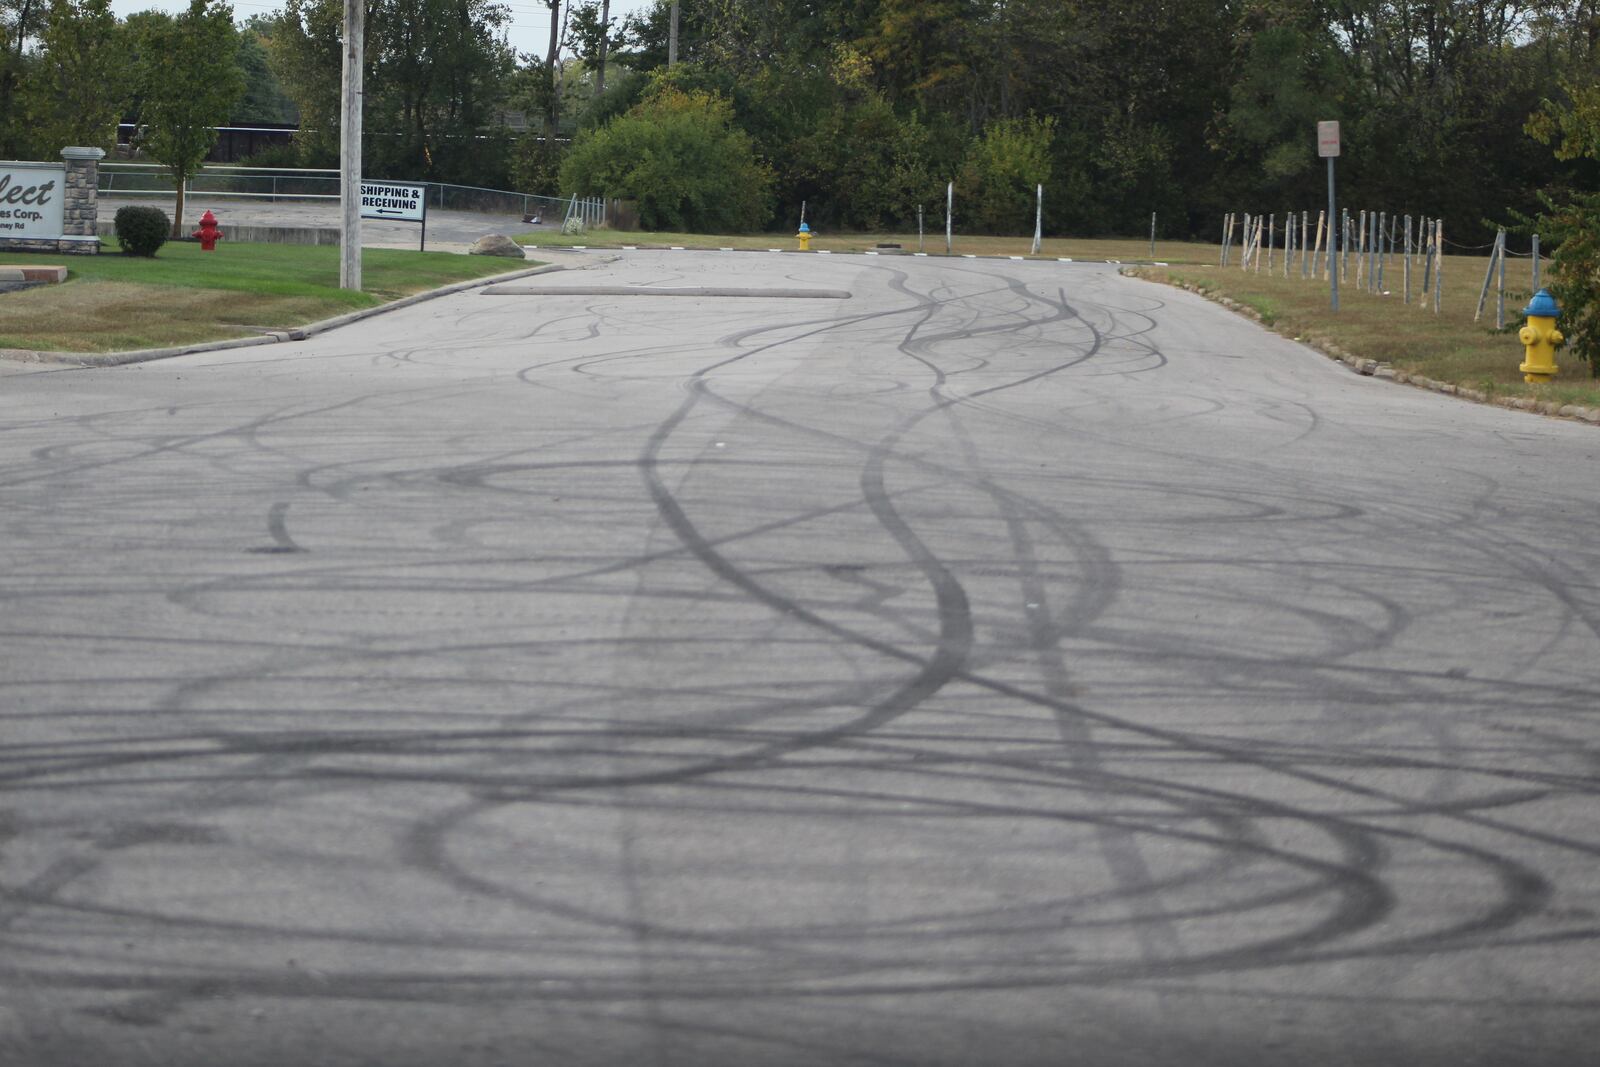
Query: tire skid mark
[[1340, 869]]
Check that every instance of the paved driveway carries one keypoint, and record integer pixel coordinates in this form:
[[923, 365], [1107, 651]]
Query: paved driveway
[[1009, 664]]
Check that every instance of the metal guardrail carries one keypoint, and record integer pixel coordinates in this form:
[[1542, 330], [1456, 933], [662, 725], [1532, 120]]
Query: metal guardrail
[[311, 183], [149, 179]]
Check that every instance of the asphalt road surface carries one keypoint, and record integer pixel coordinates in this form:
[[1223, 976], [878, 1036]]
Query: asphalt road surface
[[1011, 663]]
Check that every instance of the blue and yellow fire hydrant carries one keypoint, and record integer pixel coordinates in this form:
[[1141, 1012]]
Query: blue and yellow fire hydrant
[[1540, 338], [804, 237]]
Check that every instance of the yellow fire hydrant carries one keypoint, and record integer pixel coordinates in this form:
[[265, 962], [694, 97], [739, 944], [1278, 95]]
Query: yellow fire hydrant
[[804, 237], [1540, 338]]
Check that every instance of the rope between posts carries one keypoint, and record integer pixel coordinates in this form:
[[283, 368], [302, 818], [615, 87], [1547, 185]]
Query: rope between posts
[[1473, 248]]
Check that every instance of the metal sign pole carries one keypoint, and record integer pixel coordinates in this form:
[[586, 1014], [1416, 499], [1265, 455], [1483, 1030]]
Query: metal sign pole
[[949, 206], [1038, 221], [1328, 147], [1333, 256]]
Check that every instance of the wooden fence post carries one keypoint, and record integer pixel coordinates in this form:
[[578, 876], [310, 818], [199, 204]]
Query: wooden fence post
[[1316, 253], [1438, 267]]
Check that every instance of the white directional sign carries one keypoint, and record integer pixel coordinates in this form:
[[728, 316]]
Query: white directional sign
[[1327, 139], [392, 200]]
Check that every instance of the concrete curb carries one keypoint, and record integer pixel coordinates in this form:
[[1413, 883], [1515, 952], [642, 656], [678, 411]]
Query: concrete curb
[[1372, 368], [299, 333], [49, 275], [840, 252]]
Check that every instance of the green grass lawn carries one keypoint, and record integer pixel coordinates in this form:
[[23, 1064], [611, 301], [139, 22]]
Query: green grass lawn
[[1447, 347], [113, 302]]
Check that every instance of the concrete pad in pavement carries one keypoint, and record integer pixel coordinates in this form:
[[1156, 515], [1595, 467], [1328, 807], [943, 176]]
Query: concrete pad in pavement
[[1011, 664]]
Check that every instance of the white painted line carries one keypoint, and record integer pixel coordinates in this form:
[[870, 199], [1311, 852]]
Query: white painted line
[[676, 248], [824, 252], [774, 250], [724, 250], [872, 253], [580, 248], [1161, 264], [630, 248], [969, 255], [924, 255], [1014, 257]]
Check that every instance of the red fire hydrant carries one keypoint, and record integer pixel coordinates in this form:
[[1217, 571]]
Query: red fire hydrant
[[209, 232]]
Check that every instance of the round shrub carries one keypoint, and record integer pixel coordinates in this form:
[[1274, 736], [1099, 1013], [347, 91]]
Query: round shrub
[[142, 230], [683, 159]]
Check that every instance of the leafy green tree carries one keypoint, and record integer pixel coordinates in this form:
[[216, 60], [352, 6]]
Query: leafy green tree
[[19, 21], [1434, 95], [746, 36], [1183, 107], [1574, 227], [437, 75], [920, 49], [680, 156], [646, 32], [846, 152], [306, 55], [81, 82], [1289, 79], [1000, 178], [595, 36], [438, 80], [264, 99], [189, 80], [1572, 127]]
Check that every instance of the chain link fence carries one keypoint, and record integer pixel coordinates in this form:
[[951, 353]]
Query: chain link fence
[[143, 180]]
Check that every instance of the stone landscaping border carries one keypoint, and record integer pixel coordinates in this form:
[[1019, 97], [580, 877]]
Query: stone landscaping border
[[1374, 369]]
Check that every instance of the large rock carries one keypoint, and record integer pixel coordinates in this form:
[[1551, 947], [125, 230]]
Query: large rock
[[497, 244]]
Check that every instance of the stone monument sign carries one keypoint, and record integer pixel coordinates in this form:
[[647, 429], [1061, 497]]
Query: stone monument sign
[[51, 207]]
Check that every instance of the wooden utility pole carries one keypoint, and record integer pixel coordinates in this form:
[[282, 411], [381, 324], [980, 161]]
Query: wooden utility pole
[[355, 12], [552, 109], [672, 37]]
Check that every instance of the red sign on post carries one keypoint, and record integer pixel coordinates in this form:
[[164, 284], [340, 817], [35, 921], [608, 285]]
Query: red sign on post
[[1327, 139]]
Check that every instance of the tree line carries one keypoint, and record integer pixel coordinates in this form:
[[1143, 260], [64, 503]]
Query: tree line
[[862, 110]]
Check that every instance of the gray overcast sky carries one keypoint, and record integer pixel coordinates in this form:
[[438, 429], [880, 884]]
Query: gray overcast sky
[[529, 29]]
